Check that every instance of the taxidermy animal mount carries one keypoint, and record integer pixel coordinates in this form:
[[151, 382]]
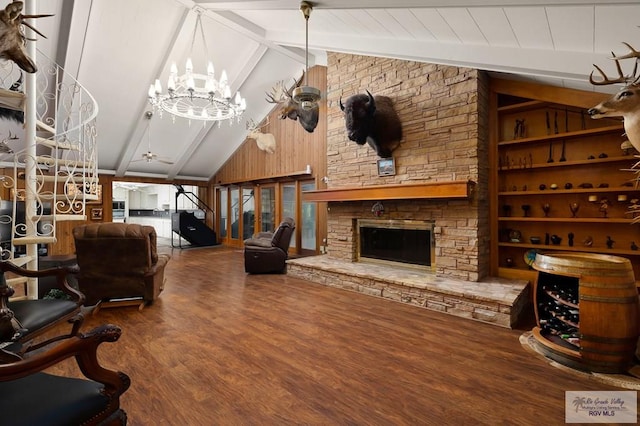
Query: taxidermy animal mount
[[289, 108], [625, 103], [265, 141], [12, 39], [373, 120]]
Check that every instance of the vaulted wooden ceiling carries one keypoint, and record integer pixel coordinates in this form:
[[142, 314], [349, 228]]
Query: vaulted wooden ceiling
[[116, 48]]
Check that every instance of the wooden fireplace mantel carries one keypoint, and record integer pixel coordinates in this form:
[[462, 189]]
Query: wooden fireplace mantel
[[458, 189]]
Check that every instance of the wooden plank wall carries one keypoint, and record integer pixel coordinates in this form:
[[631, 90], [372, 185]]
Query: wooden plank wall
[[295, 147]]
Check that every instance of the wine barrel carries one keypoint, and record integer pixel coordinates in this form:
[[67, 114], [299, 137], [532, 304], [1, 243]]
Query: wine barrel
[[608, 305]]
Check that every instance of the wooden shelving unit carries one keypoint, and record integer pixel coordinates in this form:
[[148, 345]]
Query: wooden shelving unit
[[559, 147]]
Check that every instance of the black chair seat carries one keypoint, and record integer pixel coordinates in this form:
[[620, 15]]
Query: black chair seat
[[44, 399], [36, 314]]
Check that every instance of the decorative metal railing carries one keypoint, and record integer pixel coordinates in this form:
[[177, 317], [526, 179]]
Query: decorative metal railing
[[55, 174]]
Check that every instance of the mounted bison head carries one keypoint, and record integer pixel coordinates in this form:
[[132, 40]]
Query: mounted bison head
[[372, 119]]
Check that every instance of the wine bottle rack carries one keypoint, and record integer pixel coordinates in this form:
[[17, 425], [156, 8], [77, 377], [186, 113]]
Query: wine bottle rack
[[558, 311]]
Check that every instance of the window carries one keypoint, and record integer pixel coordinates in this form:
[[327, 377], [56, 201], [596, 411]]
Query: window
[[223, 213], [268, 209], [289, 205], [308, 220], [248, 212], [235, 213]]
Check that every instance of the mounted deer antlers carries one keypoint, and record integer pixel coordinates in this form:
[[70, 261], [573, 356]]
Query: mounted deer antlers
[[12, 39], [265, 141], [290, 108], [625, 103], [621, 77]]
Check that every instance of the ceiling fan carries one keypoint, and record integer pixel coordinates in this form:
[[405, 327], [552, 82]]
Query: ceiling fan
[[306, 96], [150, 156]]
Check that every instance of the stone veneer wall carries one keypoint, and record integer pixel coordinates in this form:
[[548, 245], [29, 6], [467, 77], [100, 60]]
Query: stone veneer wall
[[444, 114]]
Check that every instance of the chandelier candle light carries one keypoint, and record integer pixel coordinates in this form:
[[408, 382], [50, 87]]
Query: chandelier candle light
[[197, 96]]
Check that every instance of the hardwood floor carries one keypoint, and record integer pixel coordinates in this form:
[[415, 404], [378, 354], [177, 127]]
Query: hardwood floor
[[224, 348]]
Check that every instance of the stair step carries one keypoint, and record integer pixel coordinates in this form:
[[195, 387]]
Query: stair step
[[53, 144], [21, 261], [61, 217], [12, 282], [62, 197], [47, 178], [48, 161], [45, 127], [23, 241], [52, 178], [13, 299]]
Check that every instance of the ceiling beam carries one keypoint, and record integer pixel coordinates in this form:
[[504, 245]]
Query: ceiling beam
[[532, 62], [396, 4], [244, 27], [135, 138]]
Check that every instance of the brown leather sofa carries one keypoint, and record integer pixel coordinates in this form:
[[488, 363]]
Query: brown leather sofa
[[267, 253], [119, 261]]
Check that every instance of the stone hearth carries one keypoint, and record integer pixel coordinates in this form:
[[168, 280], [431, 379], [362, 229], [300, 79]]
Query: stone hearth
[[494, 300]]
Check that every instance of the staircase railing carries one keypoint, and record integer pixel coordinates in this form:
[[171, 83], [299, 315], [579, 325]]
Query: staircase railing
[[60, 174]]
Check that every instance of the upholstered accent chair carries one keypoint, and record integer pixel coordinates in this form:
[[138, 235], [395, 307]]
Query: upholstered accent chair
[[23, 320], [119, 264], [33, 397], [267, 252]]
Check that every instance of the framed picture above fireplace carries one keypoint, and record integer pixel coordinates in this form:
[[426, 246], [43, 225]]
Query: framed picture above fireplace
[[386, 167]]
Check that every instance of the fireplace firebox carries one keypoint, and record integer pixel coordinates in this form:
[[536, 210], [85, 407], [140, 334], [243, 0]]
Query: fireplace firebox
[[400, 242]]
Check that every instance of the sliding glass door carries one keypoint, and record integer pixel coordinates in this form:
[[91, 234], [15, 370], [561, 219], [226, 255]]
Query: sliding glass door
[[308, 221], [235, 213], [268, 208], [248, 212], [223, 213], [289, 200], [247, 209]]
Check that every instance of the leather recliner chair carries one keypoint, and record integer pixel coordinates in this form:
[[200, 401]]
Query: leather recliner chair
[[119, 261], [265, 253]]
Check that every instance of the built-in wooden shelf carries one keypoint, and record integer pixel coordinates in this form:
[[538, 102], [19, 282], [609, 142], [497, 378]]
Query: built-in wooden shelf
[[436, 190], [566, 219], [564, 135], [586, 162]]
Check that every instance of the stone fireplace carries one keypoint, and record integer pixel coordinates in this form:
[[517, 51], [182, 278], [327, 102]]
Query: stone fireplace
[[396, 242], [443, 155]]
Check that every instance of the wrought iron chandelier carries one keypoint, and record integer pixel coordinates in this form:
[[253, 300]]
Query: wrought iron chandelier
[[197, 96]]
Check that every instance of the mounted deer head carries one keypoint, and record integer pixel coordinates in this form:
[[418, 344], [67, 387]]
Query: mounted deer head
[[625, 103], [12, 39], [265, 141], [291, 109]]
